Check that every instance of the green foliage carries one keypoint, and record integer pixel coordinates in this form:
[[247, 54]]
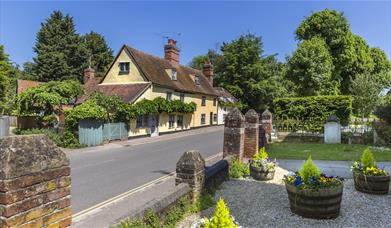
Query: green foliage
[[66, 139], [262, 154], [311, 67], [97, 49], [238, 169], [242, 70], [199, 61], [151, 219], [221, 218], [206, 200], [87, 110], [318, 108], [383, 110], [367, 160], [5, 68], [365, 90], [60, 53], [308, 170]]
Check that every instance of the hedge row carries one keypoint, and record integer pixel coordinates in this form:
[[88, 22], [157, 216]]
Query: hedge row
[[317, 108]]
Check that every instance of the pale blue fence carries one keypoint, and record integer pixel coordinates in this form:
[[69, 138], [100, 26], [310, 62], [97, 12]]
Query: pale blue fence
[[93, 133], [4, 126]]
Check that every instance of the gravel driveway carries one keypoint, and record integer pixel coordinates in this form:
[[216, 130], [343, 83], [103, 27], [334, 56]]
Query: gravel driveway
[[265, 204]]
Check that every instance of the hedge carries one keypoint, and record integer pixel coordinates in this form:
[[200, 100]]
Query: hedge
[[317, 108]]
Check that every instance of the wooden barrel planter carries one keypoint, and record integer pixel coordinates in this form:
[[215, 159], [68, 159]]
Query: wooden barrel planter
[[261, 175], [371, 184], [316, 204]]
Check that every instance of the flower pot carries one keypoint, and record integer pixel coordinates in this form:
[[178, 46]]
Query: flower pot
[[260, 174], [371, 184], [315, 203]]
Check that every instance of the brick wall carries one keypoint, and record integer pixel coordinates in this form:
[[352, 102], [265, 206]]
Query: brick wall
[[34, 183], [251, 133], [234, 134]]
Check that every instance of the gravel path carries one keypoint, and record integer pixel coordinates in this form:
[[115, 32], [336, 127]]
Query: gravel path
[[265, 204]]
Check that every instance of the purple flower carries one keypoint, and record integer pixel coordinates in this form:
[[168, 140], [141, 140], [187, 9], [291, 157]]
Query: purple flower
[[298, 181]]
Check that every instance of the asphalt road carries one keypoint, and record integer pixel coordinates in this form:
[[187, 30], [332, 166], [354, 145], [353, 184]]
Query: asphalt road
[[101, 174]]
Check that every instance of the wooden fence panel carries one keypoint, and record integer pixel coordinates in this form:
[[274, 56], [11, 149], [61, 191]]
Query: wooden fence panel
[[90, 132]]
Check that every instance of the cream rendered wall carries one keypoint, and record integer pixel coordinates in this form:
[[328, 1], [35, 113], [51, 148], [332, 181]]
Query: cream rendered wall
[[113, 76], [207, 109]]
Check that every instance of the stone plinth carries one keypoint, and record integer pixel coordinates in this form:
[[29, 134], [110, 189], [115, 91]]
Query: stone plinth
[[35, 183], [267, 123], [190, 169], [332, 130], [251, 133], [234, 134]]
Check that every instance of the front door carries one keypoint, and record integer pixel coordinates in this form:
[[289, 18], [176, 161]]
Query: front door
[[211, 119], [154, 125]]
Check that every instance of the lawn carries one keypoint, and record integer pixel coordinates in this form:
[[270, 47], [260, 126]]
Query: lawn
[[336, 152]]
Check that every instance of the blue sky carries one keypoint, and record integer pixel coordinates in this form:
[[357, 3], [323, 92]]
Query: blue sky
[[202, 25]]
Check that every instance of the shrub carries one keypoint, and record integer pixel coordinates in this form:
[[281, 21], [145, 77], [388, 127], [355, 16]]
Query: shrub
[[221, 218], [367, 159], [238, 169], [383, 111], [316, 108], [261, 155], [308, 170]]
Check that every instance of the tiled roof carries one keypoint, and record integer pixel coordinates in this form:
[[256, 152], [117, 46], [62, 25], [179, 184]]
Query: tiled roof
[[224, 94], [154, 69], [23, 85], [127, 92]]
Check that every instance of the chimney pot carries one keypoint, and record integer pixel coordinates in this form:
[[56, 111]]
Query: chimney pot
[[171, 51], [89, 74], [208, 71]]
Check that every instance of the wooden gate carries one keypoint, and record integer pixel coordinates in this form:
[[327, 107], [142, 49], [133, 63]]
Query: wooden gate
[[115, 131], [4, 126], [90, 132]]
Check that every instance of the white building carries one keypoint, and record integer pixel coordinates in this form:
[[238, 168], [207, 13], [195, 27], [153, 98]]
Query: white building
[[224, 98]]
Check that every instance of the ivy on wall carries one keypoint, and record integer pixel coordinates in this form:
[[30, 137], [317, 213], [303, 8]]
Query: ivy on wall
[[112, 109], [317, 108]]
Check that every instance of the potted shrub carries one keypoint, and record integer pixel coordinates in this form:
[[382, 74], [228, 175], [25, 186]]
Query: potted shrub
[[221, 218], [261, 166], [368, 178], [313, 194]]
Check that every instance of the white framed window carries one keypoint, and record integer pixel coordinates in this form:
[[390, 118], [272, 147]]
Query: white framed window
[[124, 67], [169, 96], [139, 121], [203, 119], [203, 101], [171, 121], [197, 79], [173, 74], [182, 97]]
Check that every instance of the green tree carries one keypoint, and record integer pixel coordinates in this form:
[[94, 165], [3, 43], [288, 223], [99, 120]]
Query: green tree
[[5, 69], [60, 53], [253, 79], [366, 94], [311, 68], [198, 61], [382, 67], [98, 51]]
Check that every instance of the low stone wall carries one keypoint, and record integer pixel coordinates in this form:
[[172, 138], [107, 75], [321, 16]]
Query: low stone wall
[[35, 183], [299, 137]]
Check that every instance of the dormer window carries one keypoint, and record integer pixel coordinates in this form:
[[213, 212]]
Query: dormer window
[[197, 79], [173, 75], [124, 67]]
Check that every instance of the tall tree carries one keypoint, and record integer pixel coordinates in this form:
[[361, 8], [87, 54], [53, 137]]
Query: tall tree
[[5, 69], [60, 53], [98, 51], [253, 79], [198, 61], [311, 68]]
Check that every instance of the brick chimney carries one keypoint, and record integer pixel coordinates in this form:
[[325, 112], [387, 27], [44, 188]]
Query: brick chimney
[[208, 71], [89, 74], [171, 52]]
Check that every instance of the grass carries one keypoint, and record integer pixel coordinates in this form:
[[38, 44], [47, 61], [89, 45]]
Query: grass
[[335, 152]]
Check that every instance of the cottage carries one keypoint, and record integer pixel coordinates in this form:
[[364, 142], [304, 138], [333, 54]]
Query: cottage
[[226, 102], [135, 75]]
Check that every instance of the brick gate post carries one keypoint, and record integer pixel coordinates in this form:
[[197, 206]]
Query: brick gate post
[[234, 134], [35, 183], [190, 169], [251, 133]]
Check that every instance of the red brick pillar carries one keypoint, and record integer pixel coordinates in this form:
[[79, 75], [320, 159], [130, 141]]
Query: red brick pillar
[[267, 123], [35, 183], [234, 134], [251, 133]]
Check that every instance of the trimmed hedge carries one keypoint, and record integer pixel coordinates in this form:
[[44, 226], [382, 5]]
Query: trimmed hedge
[[317, 108]]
